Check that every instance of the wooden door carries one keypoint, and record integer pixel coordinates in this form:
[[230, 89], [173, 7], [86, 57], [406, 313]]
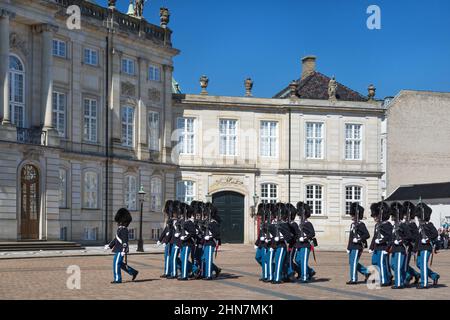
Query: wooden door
[[30, 203]]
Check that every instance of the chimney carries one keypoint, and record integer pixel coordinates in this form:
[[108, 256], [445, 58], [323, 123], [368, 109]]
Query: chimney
[[308, 65]]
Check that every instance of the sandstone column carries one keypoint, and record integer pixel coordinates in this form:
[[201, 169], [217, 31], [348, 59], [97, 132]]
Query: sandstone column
[[4, 65]]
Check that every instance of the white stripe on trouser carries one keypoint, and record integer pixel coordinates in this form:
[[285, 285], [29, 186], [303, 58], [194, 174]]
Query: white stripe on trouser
[[354, 266], [279, 265], [425, 267], [399, 281], [185, 261], [382, 267], [304, 263], [265, 266], [270, 264], [210, 261], [174, 267], [166, 269], [117, 267]]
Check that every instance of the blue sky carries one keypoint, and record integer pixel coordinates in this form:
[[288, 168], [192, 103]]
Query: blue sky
[[265, 40]]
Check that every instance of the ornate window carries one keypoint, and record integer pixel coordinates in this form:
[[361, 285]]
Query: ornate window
[[314, 140], [186, 191], [59, 48], [228, 137], [352, 194], [353, 141], [91, 57], [130, 192], [90, 120], [16, 91], [62, 188], [128, 126], [314, 198], [186, 135], [128, 66], [90, 195], [154, 73], [155, 194], [269, 138], [59, 113], [269, 193], [153, 131]]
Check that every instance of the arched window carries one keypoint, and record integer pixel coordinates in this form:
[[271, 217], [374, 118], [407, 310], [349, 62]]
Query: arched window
[[155, 194], [62, 188], [90, 196], [269, 193], [314, 198], [186, 191], [16, 91], [130, 192]]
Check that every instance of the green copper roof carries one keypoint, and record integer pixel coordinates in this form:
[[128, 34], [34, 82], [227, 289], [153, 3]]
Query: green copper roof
[[175, 86]]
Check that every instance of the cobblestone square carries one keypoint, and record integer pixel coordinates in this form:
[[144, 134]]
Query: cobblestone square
[[46, 278]]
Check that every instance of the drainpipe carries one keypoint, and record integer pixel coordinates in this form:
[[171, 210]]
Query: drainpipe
[[289, 157]]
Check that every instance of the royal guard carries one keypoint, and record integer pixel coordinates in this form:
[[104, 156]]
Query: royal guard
[[260, 244], [186, 241], [211, 242], [411, 245], [119, 246], [428, 236], [357, 241], [291, 267], [177, 223], [165, 237], [270, 252], [197, 251]]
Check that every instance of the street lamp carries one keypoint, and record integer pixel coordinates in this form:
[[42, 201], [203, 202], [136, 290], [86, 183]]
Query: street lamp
[[141, 193], [255, 204], [208, 198]]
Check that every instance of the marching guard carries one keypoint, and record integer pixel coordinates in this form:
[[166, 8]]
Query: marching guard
[[186, 241], [166, 236], [211, 242], [411, 245], [260, 244], [175, 262], [357, 241]]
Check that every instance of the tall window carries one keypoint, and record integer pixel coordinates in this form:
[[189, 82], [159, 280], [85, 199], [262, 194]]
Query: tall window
[[90, 120], [90, 197], [269, 139], [155, 194], [16, 91], [154, 73], [130, 192], [153, 131], [128, 126], [185, 191], [269, 193], [59, 113], [228, 137], [90, 57], [352, 194], [353, 142], [314, 140], [128, 66], [314, 198], [59, 48], [62, 188], [90, 234], [186, 138]]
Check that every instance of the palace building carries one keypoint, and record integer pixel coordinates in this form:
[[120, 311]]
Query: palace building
[[91, 115]]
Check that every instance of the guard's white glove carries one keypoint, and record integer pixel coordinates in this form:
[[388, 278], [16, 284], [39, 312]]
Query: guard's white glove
[[302, 239], [377, 241], [355, 240], [177, 235], [384, 251], [106, 247], [256, 247], [396, 242], [277, 239], [348, 251], [424, 241], [200, 246], [158, 243], [183, 237], [122, 253], [266, 241], [167, 233], [370, 251], [207, 237], [262, 239]]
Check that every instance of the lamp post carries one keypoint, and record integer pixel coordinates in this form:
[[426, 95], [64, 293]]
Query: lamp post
[[141, 193]]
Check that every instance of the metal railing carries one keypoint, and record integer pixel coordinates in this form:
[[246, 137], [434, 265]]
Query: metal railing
[[31, 136]]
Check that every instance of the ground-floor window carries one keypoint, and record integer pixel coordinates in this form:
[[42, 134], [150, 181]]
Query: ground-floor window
[[314, 198]]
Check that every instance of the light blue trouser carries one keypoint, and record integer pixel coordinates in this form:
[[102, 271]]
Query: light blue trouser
[[380, 259], [259, 257], [197, 259], [167, 253], [302, 259], [422, 263], [118, 265], [280, 254], [174, 261], [186, 264], [291, 267], [268, 264], [398, 267], [410, 272], [355, 266], [208, 257]]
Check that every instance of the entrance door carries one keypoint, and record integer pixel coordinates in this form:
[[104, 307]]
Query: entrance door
[[30, 203], [231, 211]]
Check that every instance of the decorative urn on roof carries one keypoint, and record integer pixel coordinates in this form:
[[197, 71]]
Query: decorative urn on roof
[[204, 81], [371, 89], [248, 87], [293, 88], [164, 16], [332, 87]]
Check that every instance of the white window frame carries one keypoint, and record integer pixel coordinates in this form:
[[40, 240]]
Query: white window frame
[[90, 56], [315, 201], [128, 66], [132, 233], [353, 196], [182, 190], [156, 194], [128, 131], [269, 193], [63, 184], [154, 139], [351, 142], [94, 190], [228, 138], [59, 48], [90, 129], [154, 73], [268, 138], [59, 110], [315, 140], [90, 234], [16, 106], [186, 139], [130, 194]]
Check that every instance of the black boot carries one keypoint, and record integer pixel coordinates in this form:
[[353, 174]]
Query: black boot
[[135, 275]]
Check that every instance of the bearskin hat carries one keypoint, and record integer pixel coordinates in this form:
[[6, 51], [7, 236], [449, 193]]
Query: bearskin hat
[[375, 209], [385, 211], [397, 210], [423, 212], [303, 208], [123, 217], [292, 211], [409, 209], [281, 210], [177, 208], [356, 207], [262, 209], [168, 208]]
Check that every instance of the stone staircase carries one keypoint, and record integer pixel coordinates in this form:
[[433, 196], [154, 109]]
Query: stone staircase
[[39, 246]]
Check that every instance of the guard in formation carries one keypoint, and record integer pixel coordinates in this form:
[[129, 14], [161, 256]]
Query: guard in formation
[[191, 238], [286, 239]]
